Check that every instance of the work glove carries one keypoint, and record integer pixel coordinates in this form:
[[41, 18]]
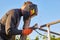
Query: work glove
[[27, 31]]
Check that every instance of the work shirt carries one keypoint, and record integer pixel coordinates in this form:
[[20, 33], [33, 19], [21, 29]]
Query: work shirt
[[11, 21]]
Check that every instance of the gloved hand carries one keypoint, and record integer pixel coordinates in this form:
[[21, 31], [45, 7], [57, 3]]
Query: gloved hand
[[27, 31]]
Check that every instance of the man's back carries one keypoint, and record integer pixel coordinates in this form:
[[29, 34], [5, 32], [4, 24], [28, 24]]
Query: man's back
[[13, 12], [14, 18]]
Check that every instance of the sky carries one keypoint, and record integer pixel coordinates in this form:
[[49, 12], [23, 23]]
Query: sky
[[48, 11]]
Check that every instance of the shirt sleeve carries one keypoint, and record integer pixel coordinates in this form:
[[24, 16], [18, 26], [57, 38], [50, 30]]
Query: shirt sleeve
[[12, 23], [8, 23], [26, 19]]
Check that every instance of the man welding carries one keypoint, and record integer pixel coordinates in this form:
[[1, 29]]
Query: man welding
[[10, 21]]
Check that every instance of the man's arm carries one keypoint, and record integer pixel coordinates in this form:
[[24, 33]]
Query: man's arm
[[26, 20], [27, 23], [10, 27]]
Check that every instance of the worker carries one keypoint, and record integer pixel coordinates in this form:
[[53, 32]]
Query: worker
[[10, 21]]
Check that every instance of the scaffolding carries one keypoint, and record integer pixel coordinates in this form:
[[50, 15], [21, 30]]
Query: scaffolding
[[48, 25]]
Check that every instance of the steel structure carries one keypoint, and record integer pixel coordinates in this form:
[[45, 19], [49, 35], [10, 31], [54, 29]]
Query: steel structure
[[48, 26]]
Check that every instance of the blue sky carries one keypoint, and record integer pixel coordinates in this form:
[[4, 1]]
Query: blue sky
[[48, 11]]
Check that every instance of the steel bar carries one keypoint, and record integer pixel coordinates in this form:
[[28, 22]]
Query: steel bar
[[51, 23], [50, 32], [36, 27]]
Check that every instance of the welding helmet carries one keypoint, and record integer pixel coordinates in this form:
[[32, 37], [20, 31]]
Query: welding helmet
[[30, 8]]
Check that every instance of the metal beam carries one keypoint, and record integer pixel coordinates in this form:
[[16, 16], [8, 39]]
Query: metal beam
[[50, 32], [36, 27], [51, 23]]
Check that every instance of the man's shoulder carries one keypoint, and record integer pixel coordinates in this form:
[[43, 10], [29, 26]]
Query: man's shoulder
[[14, 9], [13, 12]]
